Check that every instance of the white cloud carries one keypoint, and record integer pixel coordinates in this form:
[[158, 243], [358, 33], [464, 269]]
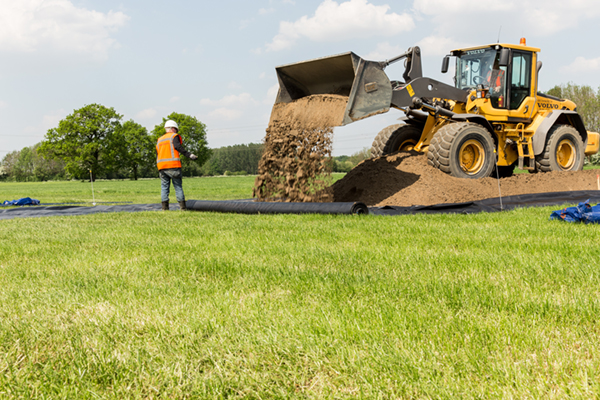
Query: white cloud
[[226, 113], [239, 100], [246, 23], [32, 25], [174, 99], [533, 17], [52, 120], [3, 104], [48, 121], [438, 45], [265, 11], [332, 21], [446, 7], [581, 64], [234, 85], [196, 50], [384, 51], [148, 113], [272, 94], [230, 107]]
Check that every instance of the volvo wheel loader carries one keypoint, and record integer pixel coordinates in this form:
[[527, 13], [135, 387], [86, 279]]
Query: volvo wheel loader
[[492, 120]]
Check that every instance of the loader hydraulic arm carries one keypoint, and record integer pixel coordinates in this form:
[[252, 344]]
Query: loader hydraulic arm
[[413, 68], [425, 88]]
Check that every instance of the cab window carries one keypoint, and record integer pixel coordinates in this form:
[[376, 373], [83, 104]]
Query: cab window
[[520, 86]]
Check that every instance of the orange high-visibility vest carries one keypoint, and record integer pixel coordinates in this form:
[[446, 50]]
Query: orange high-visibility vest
[[167, 156], [499, 77]]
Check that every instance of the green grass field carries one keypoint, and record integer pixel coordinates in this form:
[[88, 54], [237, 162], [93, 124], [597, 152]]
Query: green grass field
[[139, 192], [205, 305]]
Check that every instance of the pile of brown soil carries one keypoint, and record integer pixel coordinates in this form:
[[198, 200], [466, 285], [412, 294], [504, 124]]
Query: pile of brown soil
[[405, 179], [297, 145]]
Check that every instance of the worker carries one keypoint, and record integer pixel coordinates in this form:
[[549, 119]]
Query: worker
[[495, 77], [495, 80], [168, 148]]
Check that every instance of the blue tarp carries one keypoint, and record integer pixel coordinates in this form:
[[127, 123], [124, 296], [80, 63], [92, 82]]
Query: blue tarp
[[25, 201], [584, 212]]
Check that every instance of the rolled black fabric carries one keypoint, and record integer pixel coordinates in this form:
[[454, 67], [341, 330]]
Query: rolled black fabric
[[252, 207]]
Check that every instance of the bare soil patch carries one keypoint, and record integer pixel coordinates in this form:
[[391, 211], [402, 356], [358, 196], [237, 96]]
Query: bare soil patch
[[297, 146], [405, 179]]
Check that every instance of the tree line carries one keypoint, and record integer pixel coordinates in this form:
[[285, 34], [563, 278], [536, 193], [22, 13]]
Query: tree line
[[93, 143]]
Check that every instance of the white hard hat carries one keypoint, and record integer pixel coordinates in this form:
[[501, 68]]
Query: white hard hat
[[171, 124]]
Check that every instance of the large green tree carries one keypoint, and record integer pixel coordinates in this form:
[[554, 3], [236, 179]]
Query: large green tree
[[84, 141], [134, 148], [193, 133]]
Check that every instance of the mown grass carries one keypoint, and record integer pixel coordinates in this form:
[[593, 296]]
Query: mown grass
[[140, 191], [206, 305]]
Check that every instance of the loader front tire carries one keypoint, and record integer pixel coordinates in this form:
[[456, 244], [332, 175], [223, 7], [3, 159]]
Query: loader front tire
[[564, 151], [398, 137], [463, 150]]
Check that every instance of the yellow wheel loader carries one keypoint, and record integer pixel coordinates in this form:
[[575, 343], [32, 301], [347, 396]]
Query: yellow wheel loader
[[492, 120]]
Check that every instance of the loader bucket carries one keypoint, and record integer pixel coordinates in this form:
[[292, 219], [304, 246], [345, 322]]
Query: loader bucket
[[366, 85]]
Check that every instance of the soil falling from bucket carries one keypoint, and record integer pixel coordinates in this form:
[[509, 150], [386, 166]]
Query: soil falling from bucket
[[298, 145]]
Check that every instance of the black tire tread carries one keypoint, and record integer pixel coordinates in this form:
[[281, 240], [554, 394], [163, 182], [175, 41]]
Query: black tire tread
[[438, 154], [543, 161], [378, 146], [384, 141]]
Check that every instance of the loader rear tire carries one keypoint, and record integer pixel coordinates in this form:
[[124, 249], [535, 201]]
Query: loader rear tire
[[463, 150], [564, 151], [398, 137]]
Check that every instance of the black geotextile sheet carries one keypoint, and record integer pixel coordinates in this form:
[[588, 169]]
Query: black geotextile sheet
[[495, 204], [251, 207], [68, 210]]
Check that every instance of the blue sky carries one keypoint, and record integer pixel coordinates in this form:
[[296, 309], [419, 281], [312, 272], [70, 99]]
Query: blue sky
[[216, 60]]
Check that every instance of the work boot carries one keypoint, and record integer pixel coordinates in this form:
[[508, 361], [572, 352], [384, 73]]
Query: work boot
[[165, 206], [182, 206]]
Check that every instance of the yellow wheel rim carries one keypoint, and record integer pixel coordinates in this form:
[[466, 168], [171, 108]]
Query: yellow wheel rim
[[471, 156], [565, 154], [407, 145]]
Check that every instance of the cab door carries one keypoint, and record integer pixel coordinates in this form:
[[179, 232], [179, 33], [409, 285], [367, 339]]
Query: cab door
[[520, 95]]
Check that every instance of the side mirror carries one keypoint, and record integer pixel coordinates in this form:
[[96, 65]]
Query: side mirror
[[504, 57], [445, 63]]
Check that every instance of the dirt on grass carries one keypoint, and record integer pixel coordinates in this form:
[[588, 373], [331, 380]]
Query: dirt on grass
[[297, 146], [405, 179]]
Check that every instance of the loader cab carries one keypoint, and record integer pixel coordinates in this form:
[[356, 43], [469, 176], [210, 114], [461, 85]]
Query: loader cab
[[506, 73]]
